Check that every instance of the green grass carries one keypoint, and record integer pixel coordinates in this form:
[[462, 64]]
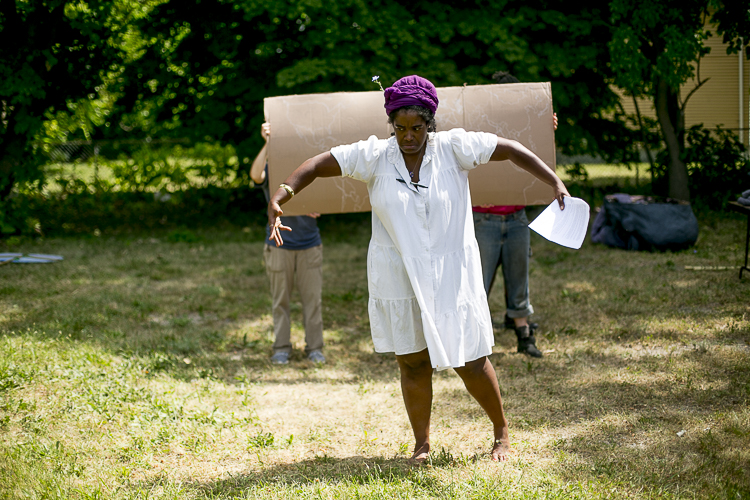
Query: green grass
[[602, 174], [138, 368]]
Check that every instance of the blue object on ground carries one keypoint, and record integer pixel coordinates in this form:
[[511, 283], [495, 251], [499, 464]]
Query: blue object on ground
[[32, 258], [645, 226]]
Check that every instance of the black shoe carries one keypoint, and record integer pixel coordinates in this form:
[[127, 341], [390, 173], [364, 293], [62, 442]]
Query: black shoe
[[510, 324], [527, 342]]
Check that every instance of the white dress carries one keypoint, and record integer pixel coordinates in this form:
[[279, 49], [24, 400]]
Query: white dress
[[423, 268]]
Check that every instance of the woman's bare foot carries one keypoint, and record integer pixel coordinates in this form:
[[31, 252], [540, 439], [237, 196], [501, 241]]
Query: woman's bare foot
[[501, 446], [421, 454]]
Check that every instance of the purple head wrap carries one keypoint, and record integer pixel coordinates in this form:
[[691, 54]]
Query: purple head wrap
[[411, 91]]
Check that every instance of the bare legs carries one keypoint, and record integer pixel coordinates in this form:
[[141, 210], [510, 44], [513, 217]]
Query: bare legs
[[416, 385], [480, 380]]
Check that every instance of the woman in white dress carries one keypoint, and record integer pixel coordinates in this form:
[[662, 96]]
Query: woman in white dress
[[427, 301]]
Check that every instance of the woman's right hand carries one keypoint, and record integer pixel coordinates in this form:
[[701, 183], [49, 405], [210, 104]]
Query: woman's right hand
[[322, 165], [274, 222], [265, 130]]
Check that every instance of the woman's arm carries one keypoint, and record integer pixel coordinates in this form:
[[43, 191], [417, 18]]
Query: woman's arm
[[322, 165], [520, 155]]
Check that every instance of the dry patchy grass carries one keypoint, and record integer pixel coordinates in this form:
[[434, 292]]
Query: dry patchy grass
[[138, 368]]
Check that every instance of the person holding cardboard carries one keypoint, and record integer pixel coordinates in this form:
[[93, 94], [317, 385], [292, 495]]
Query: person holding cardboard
[[301, 261], [427, 301], [504, 239]]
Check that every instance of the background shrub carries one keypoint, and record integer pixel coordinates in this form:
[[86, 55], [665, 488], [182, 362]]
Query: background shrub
[[717, 165]]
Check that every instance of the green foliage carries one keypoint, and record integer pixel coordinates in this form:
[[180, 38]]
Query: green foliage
[[206, 66], [174, 167], [183, 235], [655, 47], [77, 209], [733, 21], [133, 185], [148, 167], [261, 440], [652, 40], [198, 70], [718, 167], [61, 51], [577, 173], [17, 217]]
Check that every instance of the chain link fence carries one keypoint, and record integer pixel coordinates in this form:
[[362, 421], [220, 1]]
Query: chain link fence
[[140, 164], [594, 172], [85, 152]]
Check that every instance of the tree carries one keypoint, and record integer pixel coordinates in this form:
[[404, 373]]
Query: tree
[[60, 51], [655, 48], [208, 64]]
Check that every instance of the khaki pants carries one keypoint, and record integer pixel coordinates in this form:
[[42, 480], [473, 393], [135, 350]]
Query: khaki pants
[[283, 268]]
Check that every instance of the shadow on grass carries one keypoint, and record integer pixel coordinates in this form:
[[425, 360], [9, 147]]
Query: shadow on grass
[[640, 348], [589, 386], [347, 475]]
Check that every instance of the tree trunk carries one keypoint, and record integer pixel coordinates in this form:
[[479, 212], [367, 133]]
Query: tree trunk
[[17, 162], [672, 126], [7, 179], [11, 154], [644, 142]]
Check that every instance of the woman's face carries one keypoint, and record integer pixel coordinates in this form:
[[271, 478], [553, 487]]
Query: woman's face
[[411, 131]]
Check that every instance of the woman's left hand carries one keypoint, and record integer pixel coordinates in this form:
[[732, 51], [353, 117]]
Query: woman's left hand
[[560, 193]]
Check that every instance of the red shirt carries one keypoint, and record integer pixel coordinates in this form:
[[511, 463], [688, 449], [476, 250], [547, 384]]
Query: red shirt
[[498, 209]]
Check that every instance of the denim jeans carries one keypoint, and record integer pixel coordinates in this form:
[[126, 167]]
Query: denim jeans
[[504, 241]]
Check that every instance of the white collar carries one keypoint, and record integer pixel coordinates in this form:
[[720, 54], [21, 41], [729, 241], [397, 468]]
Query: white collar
[[396, 158]]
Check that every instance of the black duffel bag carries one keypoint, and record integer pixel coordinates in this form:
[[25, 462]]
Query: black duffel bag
[[638, 223]]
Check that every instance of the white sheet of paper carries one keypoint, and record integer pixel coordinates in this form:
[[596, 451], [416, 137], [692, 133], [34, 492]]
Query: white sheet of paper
[[564, 227]]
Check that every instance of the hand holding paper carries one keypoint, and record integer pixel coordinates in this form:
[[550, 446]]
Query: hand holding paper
[[564, 227]]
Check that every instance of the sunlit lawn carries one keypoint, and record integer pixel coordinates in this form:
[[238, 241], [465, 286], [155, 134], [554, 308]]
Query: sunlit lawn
[[602, 174], [138, 368]]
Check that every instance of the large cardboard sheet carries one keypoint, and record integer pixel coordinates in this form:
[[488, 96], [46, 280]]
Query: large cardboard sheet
[[303, 126]]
